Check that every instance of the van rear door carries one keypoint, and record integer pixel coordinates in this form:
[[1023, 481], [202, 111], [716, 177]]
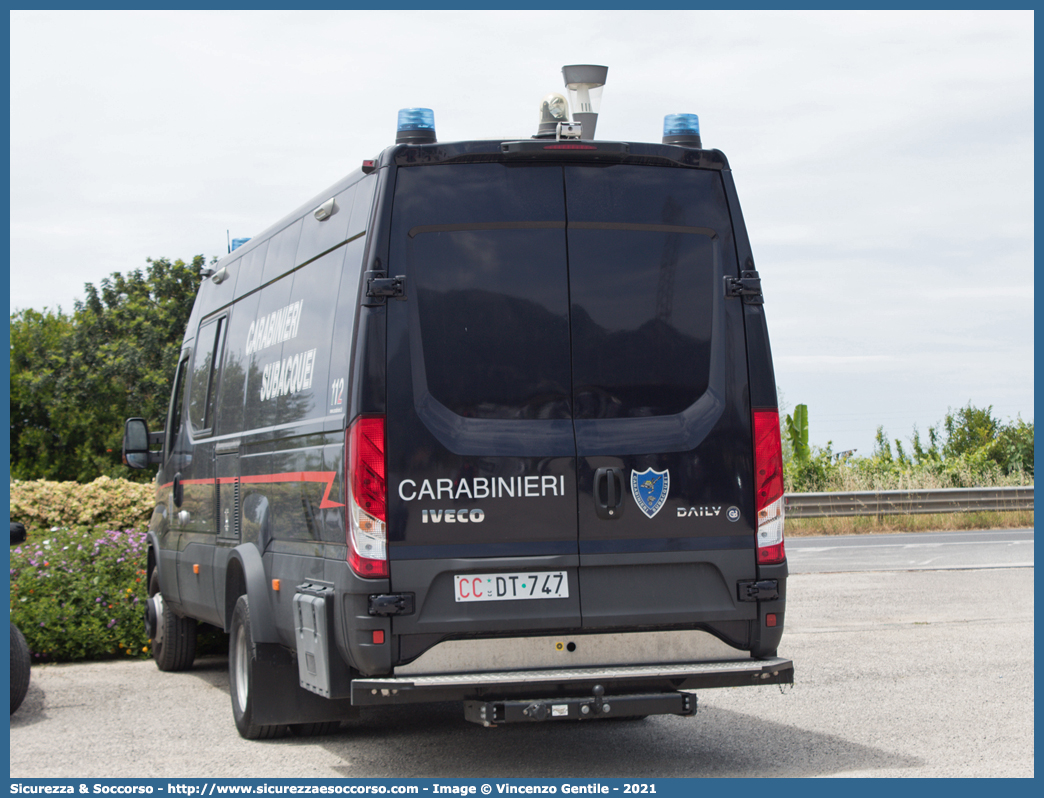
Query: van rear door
[[660, 399], [480, 445], [568, 433]]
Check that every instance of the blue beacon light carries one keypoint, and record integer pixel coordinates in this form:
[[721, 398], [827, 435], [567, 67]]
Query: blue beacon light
[[416, 126], [683, 130]]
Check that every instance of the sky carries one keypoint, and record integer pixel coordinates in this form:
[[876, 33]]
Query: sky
[[884, 161]]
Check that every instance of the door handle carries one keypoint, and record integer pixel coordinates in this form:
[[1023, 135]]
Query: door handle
[[179, 491], [612, 507]]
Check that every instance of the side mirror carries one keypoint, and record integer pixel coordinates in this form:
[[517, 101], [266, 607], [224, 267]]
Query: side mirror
[[136, 439]]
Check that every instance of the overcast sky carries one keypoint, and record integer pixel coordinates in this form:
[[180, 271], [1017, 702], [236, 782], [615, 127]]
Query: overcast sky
[[884, 160]]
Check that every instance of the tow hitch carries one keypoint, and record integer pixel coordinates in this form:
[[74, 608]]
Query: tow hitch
[[597, 705]]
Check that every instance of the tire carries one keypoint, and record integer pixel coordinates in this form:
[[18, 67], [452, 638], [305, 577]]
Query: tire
[[20, 662], [174, 646], [314, 729], [241, 654]]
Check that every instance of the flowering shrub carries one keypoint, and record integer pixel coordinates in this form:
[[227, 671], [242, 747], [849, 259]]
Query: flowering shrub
[[78, 593], [116, 503]]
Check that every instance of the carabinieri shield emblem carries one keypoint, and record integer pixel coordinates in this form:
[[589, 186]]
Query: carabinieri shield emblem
[[649, 489]]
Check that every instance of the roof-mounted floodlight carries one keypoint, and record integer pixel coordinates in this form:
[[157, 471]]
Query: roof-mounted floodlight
[[553, 111], [683, 130], [416, 126], [584, 83]]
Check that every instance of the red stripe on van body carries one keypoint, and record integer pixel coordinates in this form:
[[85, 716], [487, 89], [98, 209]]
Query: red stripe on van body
[[259, 479]]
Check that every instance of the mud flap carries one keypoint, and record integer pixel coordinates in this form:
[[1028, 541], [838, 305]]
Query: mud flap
[[278, 696]]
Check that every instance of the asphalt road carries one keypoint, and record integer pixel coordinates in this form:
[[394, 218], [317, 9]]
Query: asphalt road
[[924, 551], [899, 672]]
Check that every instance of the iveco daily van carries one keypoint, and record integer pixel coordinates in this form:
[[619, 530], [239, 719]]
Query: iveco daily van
[[489, 421]]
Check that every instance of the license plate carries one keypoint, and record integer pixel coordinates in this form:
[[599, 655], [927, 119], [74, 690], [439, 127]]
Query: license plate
[[509, 587]]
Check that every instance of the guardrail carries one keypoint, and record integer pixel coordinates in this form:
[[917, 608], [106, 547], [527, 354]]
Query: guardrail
[[902, 502]]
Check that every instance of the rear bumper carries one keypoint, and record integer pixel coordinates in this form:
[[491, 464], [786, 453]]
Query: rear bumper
[[551, 682]]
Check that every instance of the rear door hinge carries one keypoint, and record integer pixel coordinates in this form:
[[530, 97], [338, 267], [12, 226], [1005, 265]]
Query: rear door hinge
[[379, 287], [747, 286], [765, 590]]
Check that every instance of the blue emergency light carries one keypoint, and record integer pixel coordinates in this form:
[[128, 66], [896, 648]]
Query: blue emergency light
[[682, 129], [416, 126], [238, 242]]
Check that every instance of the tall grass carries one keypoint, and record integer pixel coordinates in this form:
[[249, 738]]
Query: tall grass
[[968, 449], [862, 474], [929, 522]]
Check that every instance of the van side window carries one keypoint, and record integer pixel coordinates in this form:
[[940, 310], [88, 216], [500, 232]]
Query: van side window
[[203, 391], [232, 390], [273, 322], [301, 386], [177, 401], [319, 237], [343, 324], [282, 249], [362, 206]]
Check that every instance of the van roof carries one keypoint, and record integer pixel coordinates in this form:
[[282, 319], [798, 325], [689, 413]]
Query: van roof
[[545, 149], [505, 150]]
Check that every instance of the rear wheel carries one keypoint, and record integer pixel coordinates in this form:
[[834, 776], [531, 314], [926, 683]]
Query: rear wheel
[[314, 729], [20, 662], [174, 637], [241, 653]]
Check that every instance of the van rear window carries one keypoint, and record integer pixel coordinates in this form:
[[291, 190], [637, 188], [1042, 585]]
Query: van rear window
[[646, 246], [485, 247], [548, 291]]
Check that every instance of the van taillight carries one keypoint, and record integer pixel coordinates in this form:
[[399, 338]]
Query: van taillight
[[768, 483], [368, 500]]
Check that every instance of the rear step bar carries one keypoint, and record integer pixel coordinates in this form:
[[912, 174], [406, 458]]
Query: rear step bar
[[571, 682]]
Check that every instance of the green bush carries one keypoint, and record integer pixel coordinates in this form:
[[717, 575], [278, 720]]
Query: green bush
[[1013, 447], [79, 593], [114, 503], [968, 449], [75, 378]]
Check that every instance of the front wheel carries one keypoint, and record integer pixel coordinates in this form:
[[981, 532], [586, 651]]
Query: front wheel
[[241, 653], [20, 662], [173, 637]]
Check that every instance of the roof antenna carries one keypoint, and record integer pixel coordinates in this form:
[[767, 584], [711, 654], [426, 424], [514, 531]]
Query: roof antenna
[[229, 242]]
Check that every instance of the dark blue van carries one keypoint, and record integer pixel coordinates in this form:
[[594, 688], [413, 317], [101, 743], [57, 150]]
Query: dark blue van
[[489, 421]]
